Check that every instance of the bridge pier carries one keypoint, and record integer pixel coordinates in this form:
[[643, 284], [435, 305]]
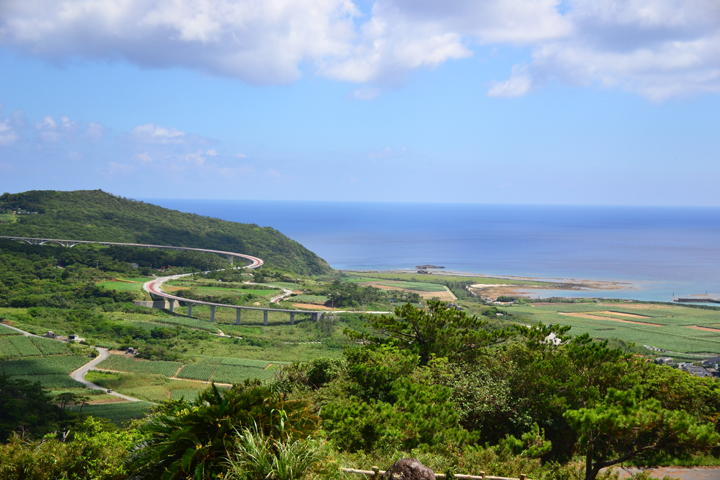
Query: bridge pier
[[212, 313], [171, 306], [238, 316], [230, 259], [265, 317], [189, 306], [317, 316], [292, 318]]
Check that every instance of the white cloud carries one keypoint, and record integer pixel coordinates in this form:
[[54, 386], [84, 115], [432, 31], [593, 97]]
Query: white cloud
[[658, 48], [95, 131], [212, 153], [517, 85], [240, 155], [8, 135], [144, 157], [388, 152], [152, 133]]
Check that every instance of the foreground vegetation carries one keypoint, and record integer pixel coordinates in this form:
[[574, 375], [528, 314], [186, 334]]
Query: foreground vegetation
[[465, 388]]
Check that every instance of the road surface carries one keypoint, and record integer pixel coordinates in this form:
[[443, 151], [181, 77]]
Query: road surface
[[79, 375]]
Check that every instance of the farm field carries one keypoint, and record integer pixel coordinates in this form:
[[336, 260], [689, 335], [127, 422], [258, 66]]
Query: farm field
[[436, 278], [14, 346], [117, 412], [668, 327], [8, 331], [149, 387], [217, 369], [50, 372], [122, 286]]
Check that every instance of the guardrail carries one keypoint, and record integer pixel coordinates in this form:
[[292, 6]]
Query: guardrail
[[375, 473]]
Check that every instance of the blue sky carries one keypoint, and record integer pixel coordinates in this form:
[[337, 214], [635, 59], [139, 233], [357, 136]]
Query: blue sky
[[513, 101]]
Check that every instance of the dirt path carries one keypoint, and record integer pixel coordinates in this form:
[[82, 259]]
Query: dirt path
[[704, 329], [623, 314], [598, 317]]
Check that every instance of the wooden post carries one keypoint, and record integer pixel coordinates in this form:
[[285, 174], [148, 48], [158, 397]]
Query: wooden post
[[523, 476], [482, 475], [375, 472]]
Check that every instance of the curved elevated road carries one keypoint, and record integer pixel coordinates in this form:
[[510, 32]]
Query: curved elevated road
[[254, 261]]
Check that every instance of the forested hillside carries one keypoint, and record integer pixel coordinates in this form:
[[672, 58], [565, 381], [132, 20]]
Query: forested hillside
[[97, 215]]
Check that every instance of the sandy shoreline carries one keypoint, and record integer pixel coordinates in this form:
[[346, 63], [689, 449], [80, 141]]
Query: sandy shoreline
[[491, 291]]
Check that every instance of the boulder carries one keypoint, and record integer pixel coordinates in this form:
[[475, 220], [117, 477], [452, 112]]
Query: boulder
[[408, 469]]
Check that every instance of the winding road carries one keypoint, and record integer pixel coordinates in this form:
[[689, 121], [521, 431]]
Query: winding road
[[79, 375]]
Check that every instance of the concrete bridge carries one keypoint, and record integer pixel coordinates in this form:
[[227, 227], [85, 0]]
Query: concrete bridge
[[154, 287]]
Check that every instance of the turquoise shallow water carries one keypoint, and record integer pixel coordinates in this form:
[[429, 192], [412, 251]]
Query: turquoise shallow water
[[661, 250]]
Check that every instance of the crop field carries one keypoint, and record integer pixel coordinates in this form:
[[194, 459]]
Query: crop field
[[236, 374], [189, 395], [126, 364], [61, 365], [122, 286], [668, 327], [4, 331], [197, 371], [49, 346], [415, 286], [51, 380], [118, 413], [21, 346], [315, 299], [234, 292], [432, 278]]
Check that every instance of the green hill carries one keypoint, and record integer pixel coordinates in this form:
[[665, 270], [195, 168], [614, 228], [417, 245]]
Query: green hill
[[97, 215]]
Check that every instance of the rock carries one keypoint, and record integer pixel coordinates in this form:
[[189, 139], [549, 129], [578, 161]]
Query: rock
[[408, 469]]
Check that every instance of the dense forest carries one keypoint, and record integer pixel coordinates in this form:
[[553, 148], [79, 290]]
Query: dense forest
[[97, 215]]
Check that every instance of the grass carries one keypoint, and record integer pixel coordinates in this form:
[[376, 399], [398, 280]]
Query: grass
[[4, 331], [118, 413], [441, 279], [61, 365], [674, 335], [417, 286], [153, 388], [315, 299], [20, 346], [52, 381], [197, 371], [122, 286], [236, 374], [127, 364]]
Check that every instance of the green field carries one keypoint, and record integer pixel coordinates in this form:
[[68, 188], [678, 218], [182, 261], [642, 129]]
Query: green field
[[122, 286], [14, 346], [197, 371], [417, 286], [8, 331], [234, 292], [118, 413], [128, 364], [315, 299], [51, 380], [673, 334], [441, 279], [60, 365]]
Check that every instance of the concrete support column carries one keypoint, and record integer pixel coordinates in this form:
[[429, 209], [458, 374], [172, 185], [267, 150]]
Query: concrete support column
[[238, 315], [212, 313], [317, 316], [230, 259], [265, 315], [292, 318], [189, 310], [172, 306]]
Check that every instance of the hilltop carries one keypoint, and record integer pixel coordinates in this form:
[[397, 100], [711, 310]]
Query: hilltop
[[98, 215]]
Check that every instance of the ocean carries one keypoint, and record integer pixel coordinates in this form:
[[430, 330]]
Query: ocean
[[659, 251]]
